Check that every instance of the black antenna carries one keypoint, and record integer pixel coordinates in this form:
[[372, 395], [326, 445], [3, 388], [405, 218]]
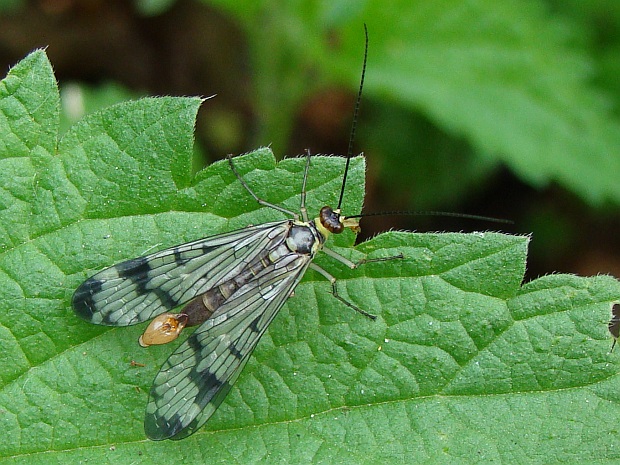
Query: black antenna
[[435, 213], [354, 124]]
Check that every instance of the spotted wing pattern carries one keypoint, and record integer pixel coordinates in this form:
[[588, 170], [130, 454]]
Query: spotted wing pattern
[[136, 290], [196, 378]]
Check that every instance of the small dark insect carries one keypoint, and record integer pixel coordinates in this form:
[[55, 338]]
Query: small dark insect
[[231, 285], [614, 324]]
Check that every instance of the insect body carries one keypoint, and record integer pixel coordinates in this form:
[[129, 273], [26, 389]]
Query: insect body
[[232, 285]]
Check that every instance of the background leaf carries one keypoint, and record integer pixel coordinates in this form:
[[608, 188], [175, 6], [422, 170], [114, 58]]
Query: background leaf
[[462, 365], [501, 75]]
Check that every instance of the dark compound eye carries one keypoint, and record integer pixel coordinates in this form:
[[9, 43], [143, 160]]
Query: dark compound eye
[[331, 220]]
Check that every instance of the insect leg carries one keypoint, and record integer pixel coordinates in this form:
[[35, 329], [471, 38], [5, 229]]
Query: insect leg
[[354, 265], [262, 202], [351, 265], [333, 280]]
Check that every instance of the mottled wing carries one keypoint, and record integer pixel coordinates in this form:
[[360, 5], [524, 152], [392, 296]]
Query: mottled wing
[[136, 290], [196, 378]]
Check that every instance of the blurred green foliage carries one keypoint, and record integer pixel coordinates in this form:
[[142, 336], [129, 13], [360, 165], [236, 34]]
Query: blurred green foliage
[[507, 109], [513, 79]]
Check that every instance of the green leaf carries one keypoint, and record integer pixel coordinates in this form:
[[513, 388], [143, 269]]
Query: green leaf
[[78, 99], [462, 365]]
